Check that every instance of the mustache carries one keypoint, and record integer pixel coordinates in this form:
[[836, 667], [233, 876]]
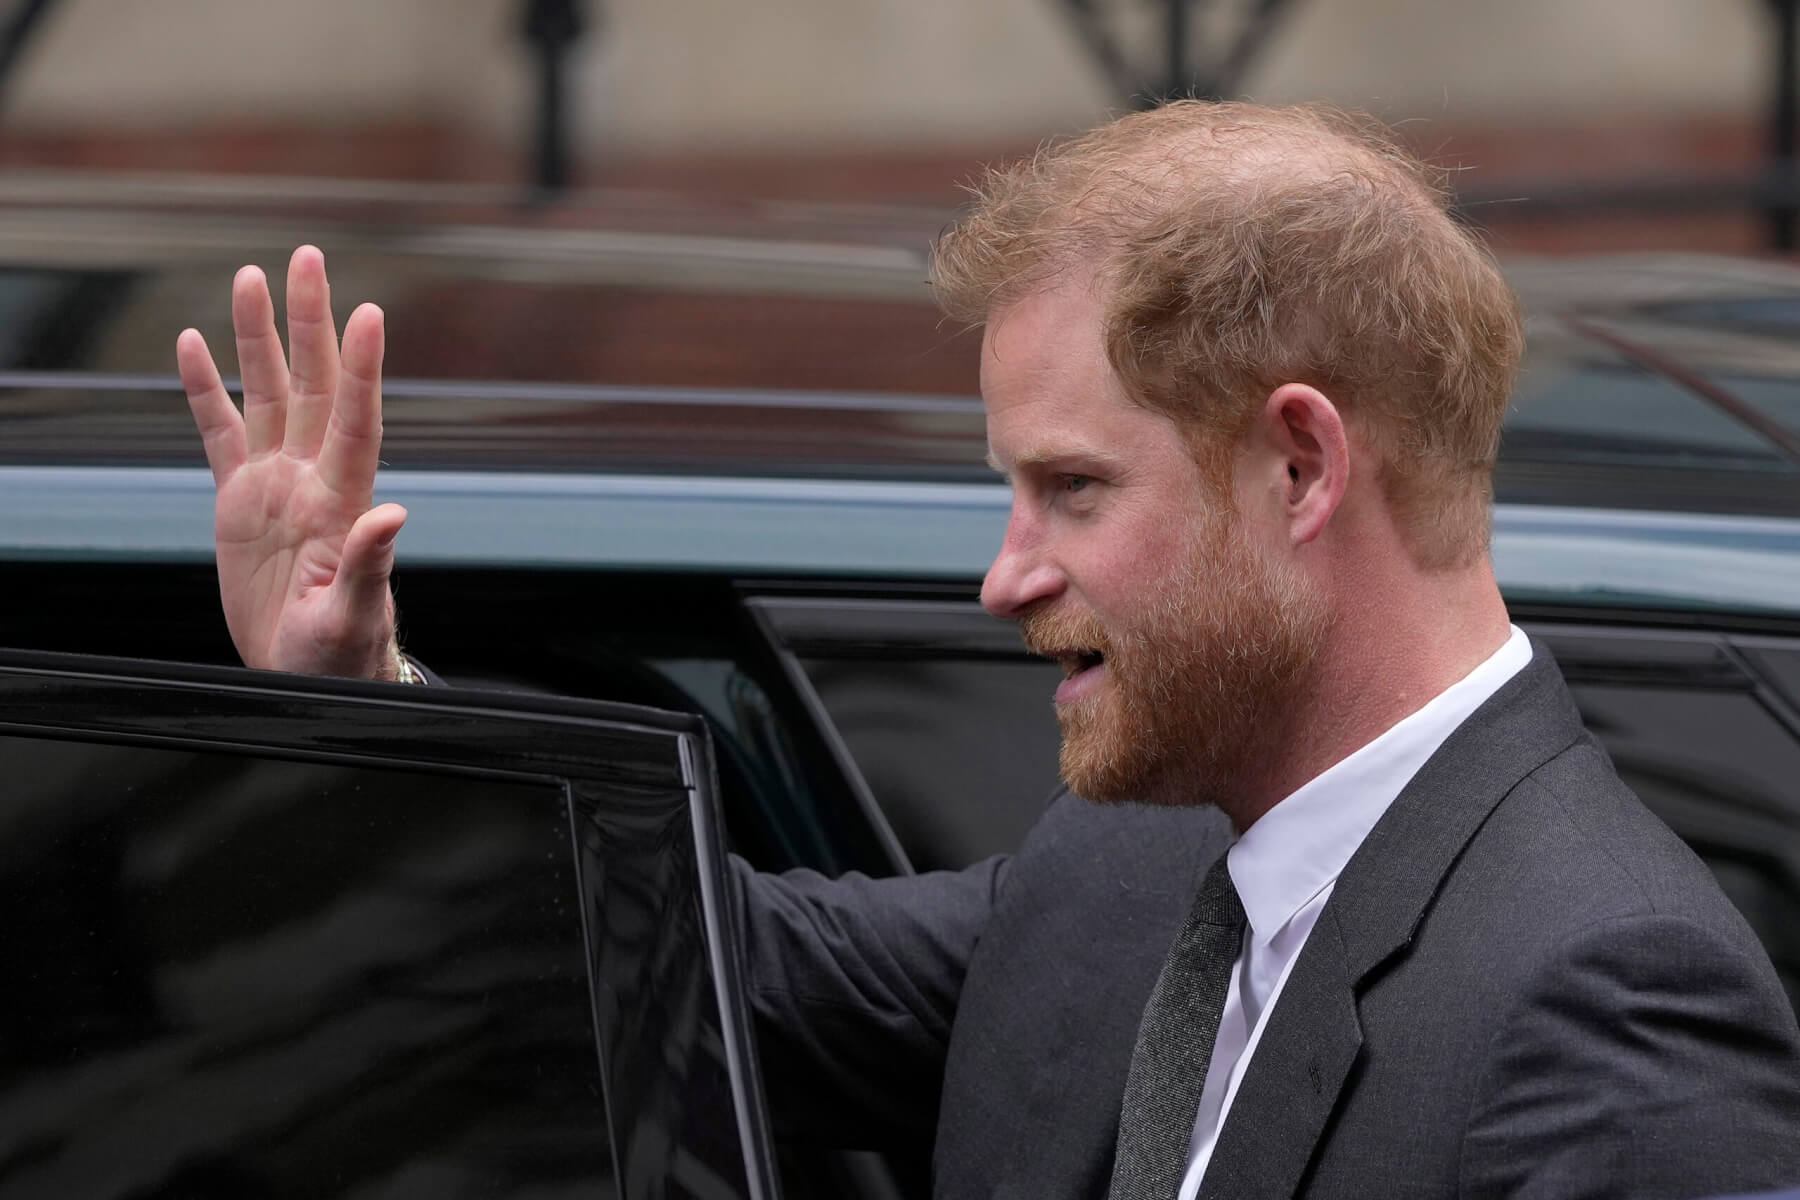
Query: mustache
[[1048, 631]]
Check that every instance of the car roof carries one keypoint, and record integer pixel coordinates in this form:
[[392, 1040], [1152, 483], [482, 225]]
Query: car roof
[[658, 348], [673, 339]]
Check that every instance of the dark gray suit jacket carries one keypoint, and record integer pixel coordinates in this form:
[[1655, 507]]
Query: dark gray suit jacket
[[1523, 985]]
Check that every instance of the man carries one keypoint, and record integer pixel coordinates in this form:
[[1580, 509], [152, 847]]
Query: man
[[1350, 905]]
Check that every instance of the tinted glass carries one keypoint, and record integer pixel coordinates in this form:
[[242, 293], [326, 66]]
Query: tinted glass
[[629, 349], [1578, 401], [1778, 663], [1775, 396], [239, 977], [49, 318], [1748, 347], [246, 978], [598, 306], [960, 753], [1771, 316]]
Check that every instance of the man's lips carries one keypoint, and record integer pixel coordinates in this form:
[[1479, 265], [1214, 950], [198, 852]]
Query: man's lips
[[1082, 672], [1074, 662], [1074, 641]]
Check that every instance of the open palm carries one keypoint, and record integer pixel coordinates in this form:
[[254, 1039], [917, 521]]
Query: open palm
[[303, 560]]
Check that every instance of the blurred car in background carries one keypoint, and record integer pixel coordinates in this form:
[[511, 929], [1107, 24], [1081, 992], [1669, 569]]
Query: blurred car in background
[[728, 463]]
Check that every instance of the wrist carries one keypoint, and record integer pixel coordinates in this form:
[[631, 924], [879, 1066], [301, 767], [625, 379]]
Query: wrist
[[393, 666]]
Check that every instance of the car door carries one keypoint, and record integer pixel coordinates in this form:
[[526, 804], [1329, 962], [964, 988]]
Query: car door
[[945, 720], [273, 936]]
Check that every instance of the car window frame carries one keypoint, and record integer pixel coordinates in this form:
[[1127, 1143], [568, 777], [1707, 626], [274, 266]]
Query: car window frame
[[503, 736]]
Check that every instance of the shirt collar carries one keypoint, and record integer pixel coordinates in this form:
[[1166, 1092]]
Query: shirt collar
[[1298, 848]]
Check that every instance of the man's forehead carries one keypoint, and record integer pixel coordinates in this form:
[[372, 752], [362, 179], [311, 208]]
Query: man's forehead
[[1042, 346], [1063, 422], [1068, 305]]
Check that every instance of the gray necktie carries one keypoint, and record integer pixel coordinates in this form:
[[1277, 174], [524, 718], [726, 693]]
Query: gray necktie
[[1174, 1045]]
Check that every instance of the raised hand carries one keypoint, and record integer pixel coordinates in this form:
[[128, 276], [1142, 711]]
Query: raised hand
[[303, 560]]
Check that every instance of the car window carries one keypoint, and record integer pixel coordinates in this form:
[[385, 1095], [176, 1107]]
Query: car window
[[253, 977], [1777, 663], [1746, 347], [50, 318], [672, 642], [1775, 396], [1775, 316], [599, 305], [961, 754], [297, 938], [941, 715], [1580, 401]]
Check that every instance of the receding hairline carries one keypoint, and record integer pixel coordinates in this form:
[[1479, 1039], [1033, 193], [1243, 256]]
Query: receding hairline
[[1133, 172]]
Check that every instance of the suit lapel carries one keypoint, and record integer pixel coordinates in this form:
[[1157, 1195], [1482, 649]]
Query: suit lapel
[[1305, 1058]]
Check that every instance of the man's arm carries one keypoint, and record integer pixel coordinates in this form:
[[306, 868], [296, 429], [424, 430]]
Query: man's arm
[[1652, 1057], [853, 984], [853, 981], [303, 559]]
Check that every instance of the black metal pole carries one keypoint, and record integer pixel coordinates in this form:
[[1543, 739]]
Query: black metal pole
[[553, 124], [1179, 80], [552, 27], [1784, 208]]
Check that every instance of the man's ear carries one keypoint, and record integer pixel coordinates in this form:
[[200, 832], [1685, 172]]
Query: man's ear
[[1305, 439]]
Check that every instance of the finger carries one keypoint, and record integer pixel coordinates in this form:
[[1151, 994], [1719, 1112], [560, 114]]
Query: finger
[[221, 428], [362, 575], [351, 450], [313, 351], [260, 361]]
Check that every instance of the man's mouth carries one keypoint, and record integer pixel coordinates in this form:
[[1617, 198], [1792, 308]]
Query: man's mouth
[[1074, 662], [1073, 641], [1083, 671]]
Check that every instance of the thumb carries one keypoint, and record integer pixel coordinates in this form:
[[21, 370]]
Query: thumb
[[362, 574]]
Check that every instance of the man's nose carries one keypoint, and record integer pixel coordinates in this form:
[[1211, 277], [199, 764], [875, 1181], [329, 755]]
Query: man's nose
[[1022, 574]]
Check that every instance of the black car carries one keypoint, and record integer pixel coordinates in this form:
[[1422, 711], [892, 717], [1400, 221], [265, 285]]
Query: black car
[[291, 937]]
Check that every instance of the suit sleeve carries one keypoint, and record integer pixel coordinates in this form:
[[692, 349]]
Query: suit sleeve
[[1651, 1057], [853, 984]]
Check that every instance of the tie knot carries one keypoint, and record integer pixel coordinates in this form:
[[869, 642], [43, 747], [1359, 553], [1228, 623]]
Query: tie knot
[[1217, 902]]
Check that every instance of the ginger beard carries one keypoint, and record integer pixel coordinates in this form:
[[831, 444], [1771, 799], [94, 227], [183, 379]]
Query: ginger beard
[[1198, 679]]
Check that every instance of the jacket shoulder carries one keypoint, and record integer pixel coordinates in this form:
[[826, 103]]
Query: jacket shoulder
[[1594, 852]]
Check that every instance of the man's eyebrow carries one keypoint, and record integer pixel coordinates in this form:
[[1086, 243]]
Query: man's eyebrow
[[1057, 455]]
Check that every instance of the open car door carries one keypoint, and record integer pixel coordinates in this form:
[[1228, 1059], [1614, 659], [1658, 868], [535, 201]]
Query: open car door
[[273, 936]]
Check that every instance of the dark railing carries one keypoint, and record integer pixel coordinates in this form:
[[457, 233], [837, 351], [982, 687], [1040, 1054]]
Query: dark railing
[[1784, 212], [1180, 68], [1185, 68]]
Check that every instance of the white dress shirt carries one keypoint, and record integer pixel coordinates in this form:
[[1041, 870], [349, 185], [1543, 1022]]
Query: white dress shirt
[[1285, 865]]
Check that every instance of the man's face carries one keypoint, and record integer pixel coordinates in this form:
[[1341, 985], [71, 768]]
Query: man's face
[[1181, 634]]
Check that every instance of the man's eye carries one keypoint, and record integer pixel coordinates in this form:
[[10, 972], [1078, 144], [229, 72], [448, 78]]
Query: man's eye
[[1076, 483]]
